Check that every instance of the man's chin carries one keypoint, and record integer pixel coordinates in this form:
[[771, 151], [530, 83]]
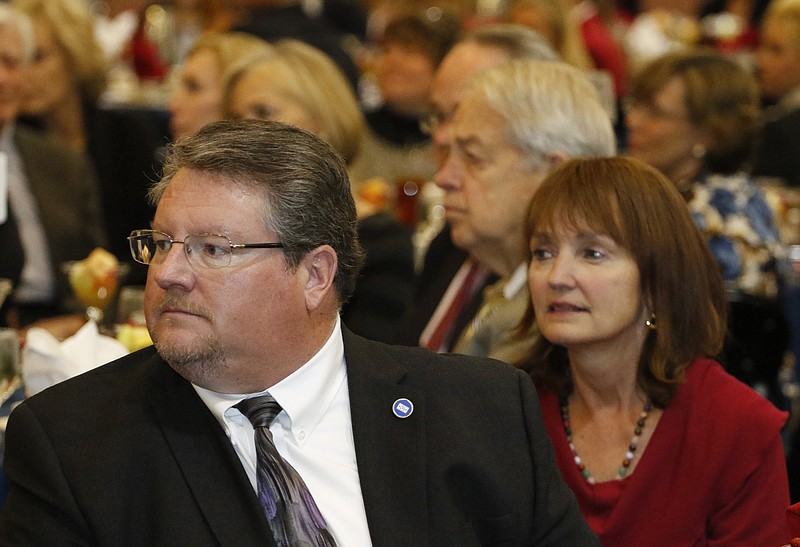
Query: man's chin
[[462, 237], [198, 360]]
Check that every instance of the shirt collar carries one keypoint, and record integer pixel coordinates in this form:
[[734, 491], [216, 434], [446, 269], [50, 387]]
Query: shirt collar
[[304, 395], [7, 136], [516, 281]]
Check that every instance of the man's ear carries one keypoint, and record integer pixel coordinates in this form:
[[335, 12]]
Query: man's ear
[[320, 265]]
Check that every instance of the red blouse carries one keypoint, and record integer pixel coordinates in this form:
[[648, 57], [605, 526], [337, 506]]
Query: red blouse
[[713, 472]]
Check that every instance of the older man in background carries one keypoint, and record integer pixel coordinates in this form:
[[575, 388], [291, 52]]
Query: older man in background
[[449, 290], [516, 123]]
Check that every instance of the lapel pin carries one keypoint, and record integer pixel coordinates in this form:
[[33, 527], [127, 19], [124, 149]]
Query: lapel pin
[[402, 408]]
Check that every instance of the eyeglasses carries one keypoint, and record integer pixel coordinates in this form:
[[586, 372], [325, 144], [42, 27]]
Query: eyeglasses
[[432, 120], [208, 250]]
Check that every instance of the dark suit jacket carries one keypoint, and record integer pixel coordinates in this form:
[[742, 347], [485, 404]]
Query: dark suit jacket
[[65, 189], [128, 454], [123, 148]]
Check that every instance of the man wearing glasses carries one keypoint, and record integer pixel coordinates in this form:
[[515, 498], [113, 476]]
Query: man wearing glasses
[[257, 419], [450, 286]]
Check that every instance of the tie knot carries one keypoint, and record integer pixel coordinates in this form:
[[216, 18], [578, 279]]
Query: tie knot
[[259, 410]]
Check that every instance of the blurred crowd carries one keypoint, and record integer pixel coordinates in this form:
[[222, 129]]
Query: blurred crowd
[[706, 92]]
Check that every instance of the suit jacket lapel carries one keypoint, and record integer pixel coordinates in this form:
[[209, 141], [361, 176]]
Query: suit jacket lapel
[[209, 464], [389, 450]]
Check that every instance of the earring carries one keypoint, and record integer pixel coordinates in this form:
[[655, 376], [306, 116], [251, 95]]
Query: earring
[[651, 322], [699, 151]]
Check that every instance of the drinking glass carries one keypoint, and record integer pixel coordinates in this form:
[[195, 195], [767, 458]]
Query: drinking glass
[[94, 293]]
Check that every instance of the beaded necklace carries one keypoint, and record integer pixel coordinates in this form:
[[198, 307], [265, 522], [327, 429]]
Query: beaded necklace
[[629, 455]]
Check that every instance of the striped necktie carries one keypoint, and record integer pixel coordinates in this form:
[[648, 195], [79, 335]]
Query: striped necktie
[[292, 514]]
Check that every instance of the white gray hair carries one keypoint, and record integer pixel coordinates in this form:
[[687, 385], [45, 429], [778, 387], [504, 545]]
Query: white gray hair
[[548, 106]]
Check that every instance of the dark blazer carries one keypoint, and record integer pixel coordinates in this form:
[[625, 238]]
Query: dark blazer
[[123, 146], [65, 189], [128, 454]]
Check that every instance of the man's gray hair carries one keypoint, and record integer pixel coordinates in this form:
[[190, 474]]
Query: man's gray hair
[[548, 107], [306, 189], [517, 41]]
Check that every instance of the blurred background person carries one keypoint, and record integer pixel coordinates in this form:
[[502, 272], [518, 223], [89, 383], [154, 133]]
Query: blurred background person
[[777, 160], [517, 122], [197, 98], [274, 20], [52, 197], [694, 115], [556, 21], [410, 49], [174, 26], [450, 285], [778, 71], [603, 26], [61, 95], [631, 307], [15, 53], [553, 20], [732, 26], [300, 85]]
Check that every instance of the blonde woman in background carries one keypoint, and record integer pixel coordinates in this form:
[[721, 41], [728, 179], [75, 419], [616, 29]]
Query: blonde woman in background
[[300, 85], [198, 94], [61, 95]]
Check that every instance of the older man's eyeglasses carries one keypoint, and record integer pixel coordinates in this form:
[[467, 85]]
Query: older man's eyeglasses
[[207, 250], [432, 120]]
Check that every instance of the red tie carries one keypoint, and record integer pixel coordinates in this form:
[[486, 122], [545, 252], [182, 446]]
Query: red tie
[[470, 284]]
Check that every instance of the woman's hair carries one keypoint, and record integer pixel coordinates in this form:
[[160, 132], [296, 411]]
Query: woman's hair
[[21, 24], [313, 80], [642, 211], [72, 24], [232, 48], [720, 96]]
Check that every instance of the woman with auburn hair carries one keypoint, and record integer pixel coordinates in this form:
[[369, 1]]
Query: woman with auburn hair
[[660, 445]]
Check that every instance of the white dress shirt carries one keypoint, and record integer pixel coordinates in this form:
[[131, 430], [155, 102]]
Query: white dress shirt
[[313, 433]]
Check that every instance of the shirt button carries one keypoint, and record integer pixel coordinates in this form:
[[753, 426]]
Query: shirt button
[[302, 435]]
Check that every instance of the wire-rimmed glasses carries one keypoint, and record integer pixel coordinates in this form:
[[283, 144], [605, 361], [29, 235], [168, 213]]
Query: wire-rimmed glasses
[[432, 120], [208, 250]]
